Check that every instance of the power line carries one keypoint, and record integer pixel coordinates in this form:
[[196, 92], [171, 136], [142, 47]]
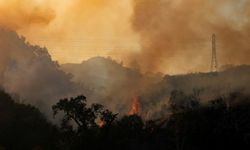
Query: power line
[[214, 63]]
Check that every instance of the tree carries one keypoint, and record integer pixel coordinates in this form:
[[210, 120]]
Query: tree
[[179, 101], [76, 110], [24, 126], [80, 122]]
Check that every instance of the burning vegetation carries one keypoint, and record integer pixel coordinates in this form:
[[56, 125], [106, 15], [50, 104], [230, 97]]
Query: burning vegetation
[[100, 123], [134, 109]]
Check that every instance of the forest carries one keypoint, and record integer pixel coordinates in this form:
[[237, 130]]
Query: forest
[[222, 123], [124, 75]]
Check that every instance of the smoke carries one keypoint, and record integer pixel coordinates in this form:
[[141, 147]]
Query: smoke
[[109, 83], [28, 73], [15, 14], [82, 29], [176, 35], [174, 38], [73, 30], [203, 86]]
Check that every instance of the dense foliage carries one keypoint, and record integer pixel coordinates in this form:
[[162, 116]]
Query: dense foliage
[[23, 127], [223, 123]]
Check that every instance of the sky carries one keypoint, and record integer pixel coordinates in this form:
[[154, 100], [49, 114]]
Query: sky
[[153, 35], [74, 30]]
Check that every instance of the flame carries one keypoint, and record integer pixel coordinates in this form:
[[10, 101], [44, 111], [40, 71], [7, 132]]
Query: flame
[[100, 123], [134, 106]]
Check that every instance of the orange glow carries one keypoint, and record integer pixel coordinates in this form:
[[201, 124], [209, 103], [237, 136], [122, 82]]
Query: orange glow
[[100, 123], [74, 30], [134, 110]]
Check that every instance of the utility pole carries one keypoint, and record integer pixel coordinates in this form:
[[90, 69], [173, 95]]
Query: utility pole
[[214, 63]]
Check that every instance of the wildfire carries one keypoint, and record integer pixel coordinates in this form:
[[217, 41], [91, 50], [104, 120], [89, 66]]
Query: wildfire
[[100, 123], [134, 109]]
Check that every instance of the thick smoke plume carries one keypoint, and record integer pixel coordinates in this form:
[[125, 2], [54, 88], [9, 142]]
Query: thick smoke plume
[[73, 30], [175, 38], [203, 86], [27, 72], [110, 83], [15, 14], [175, 35]]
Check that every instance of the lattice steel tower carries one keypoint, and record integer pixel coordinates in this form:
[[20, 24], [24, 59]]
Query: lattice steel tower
[[214, 63]]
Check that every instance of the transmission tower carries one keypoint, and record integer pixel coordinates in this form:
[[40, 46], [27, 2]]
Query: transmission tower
[[214, 63]]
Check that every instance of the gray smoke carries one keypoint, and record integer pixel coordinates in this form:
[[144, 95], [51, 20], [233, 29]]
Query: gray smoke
[[109, 82], [28, 73], [176, 34], [205, 86]]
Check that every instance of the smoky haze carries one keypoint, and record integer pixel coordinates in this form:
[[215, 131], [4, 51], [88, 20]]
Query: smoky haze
[[15, 14], [204, 86], [30, 76], [176, 35], [28, 73], [110, 83], [161, 35], [73, 30]]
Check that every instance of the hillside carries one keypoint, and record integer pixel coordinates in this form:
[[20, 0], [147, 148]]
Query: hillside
[[28, 72], [109, 82], [24, 126], [101, 72], [206, 86]]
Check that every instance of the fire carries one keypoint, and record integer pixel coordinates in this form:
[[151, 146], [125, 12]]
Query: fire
[[100, 123], [134, 106]]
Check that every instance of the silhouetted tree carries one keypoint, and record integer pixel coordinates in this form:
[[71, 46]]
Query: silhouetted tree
[[179, 101], [79, 123], [215, 125], [24, 127]]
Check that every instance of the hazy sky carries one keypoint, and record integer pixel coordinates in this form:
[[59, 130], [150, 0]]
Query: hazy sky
[[73, 30], [171, 36]]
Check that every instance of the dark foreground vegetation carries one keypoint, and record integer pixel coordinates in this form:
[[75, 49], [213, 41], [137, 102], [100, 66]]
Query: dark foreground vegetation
[[223, 123]]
